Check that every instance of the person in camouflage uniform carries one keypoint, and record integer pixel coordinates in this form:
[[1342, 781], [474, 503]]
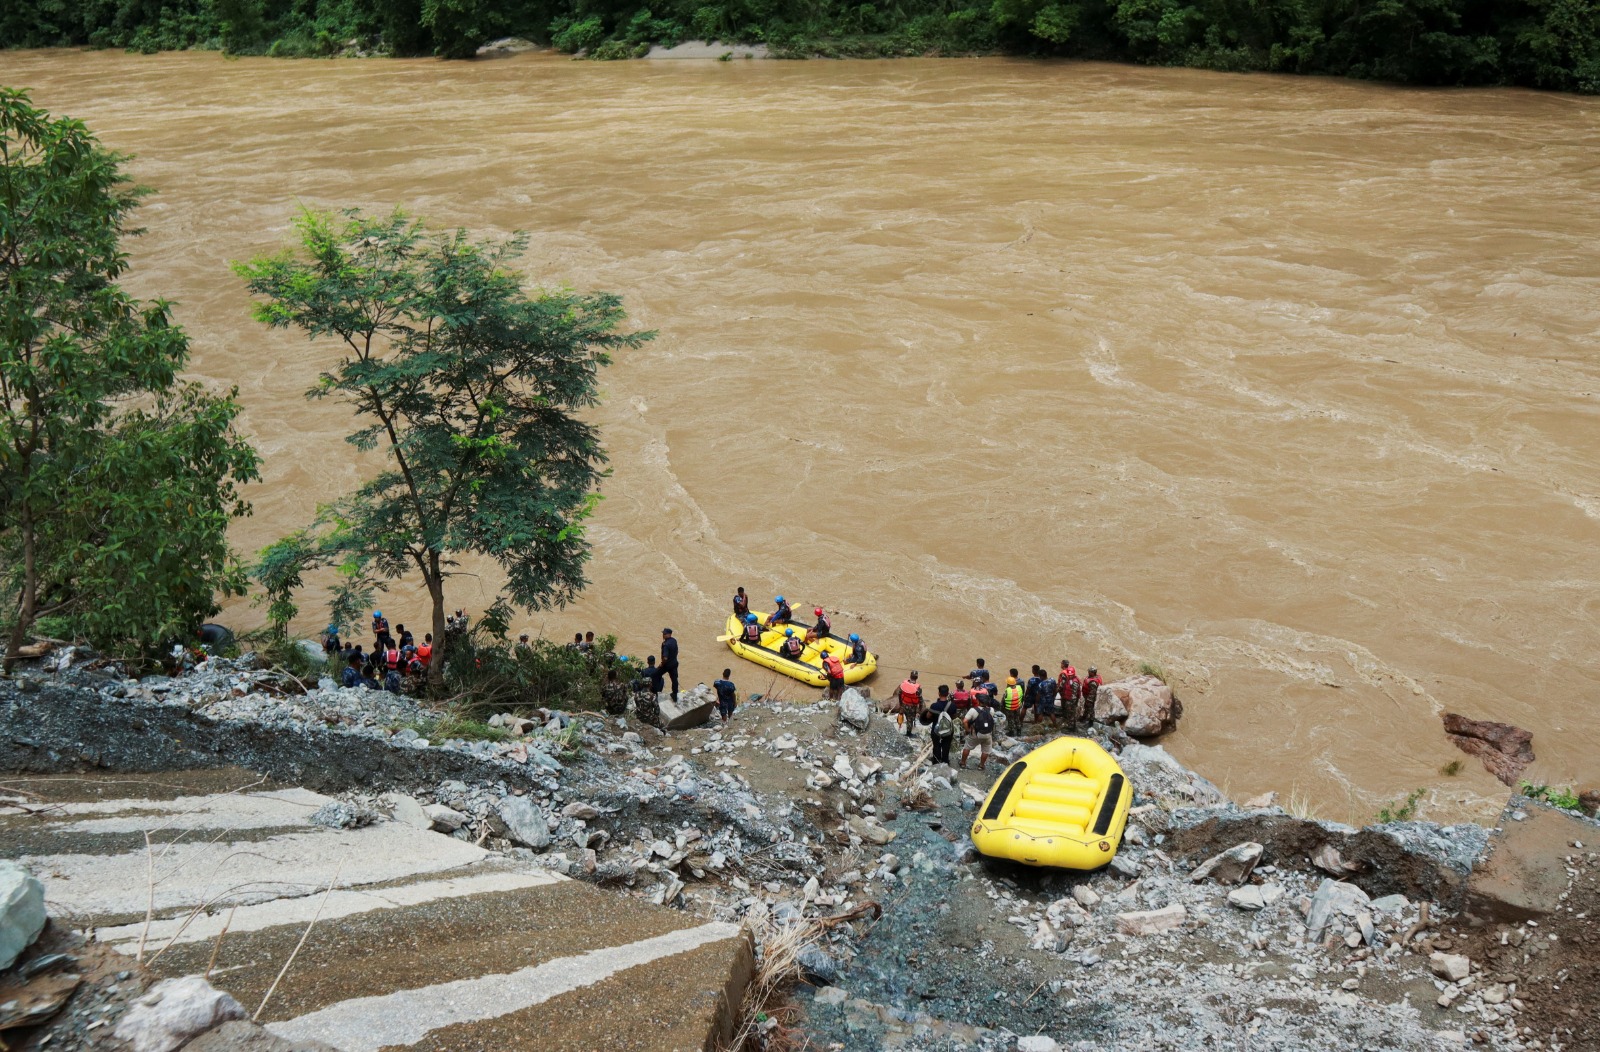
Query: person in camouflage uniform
[[613, 694], [644, 701]]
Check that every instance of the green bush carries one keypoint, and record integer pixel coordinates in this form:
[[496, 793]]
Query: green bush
[[572, 37], [1393, 812], [1550, 794]]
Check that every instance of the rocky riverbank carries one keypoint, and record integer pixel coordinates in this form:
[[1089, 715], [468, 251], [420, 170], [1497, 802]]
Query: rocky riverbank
[[1217, 925]]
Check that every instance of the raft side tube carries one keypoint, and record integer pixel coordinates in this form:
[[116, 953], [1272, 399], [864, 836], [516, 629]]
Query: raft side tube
[[1109, 807], [997, 799]]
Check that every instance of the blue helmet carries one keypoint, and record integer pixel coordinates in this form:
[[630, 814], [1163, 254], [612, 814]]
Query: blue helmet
[[788, 631], [377, 613], [777, 599], [854, 638], [750, 619]]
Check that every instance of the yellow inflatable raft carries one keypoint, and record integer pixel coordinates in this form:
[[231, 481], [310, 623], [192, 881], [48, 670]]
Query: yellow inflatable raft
[[809, 668], [1065, 804]]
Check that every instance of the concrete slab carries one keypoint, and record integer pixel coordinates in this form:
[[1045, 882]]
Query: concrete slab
[[423, 942], [1525, 872]]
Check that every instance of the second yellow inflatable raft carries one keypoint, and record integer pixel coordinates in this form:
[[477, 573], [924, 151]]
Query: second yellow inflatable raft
[[1064, 804], [809, 668]]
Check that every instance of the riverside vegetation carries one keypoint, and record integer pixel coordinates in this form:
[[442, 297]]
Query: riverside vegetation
[[118, 480], [1553, 44]]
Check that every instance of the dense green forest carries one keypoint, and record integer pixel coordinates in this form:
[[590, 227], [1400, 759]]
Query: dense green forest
[[1539, 43]]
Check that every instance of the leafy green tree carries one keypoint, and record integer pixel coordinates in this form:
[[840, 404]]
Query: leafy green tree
[[117, 481], [472, 389]]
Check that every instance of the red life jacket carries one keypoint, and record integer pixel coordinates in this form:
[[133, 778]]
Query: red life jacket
[[392, 656], [908, 693], [833, 666], [752, 633]]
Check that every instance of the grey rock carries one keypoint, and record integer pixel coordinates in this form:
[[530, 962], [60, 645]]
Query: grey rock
[[1125, 866], [1232, 866], [854, 708], [444, 819], [174, 1011], [524, 821], [337, 814], [1452, 967], [1152, 922], [1334, 896], [1246, 898], [693, 708], [22, 914], [817, 966]]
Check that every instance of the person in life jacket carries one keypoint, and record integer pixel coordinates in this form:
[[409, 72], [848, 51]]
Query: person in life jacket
[[1091, 690], [1011, 703], [1070, 688], [909, 694], [391, 656], [425, 651], [823, 626], [791, 648], [781, 614], [741, 603], [833, 668], [858, 651], [752, 631], [961, 697]]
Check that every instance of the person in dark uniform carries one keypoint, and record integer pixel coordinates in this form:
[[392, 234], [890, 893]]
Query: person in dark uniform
[[781, 614], [669, 660], [645, 689], [741, 603], [727, 695]]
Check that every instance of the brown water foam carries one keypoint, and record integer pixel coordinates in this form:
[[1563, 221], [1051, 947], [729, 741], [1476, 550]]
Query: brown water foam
[[1287, 384]]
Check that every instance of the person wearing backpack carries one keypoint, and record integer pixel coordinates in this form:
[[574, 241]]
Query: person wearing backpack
[[979, 734], [944, 725]]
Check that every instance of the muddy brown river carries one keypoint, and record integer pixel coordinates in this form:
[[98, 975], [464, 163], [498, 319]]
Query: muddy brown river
[[1288, 385]]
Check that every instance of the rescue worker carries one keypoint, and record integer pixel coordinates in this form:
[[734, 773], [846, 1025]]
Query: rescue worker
[[944, 725], [380, 631], [741, 603], [858, 651], [669, 660], [1070, 687], [1045, 708], [781, 614], [833, 668], [791, 647], [979, 674], [752, 631], [613, 695], [1091, 690], [910, 696], [823, 627], [727, 695], [425, 651], [351, 677], [1011, 703], [406, 639], [978, 729], [645, 689]]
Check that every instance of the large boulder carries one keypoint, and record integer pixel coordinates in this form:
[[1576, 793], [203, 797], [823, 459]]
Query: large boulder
[[854, 708], [692, 709], [174, 1011], [1505, 750], [1152, 922], [525, 822], [22, 913], [1145, 703]]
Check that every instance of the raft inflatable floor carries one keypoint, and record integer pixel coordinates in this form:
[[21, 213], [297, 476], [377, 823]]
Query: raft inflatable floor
[[809, 668]]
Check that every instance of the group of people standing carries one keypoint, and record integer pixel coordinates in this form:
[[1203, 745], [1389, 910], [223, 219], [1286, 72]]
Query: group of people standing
[[979, 701], [395, 661]]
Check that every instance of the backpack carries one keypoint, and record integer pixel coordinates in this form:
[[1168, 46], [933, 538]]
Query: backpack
[[984, 724], [945, 726]]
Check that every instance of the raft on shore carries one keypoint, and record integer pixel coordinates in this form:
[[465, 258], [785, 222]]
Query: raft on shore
[[1065, 804], [809, 668]]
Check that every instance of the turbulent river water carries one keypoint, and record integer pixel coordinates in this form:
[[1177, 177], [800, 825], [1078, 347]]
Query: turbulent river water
[[1288, 385]]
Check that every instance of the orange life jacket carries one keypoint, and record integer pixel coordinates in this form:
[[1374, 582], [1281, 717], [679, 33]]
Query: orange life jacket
[[425, 654], [833, 666], [908, 693]]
